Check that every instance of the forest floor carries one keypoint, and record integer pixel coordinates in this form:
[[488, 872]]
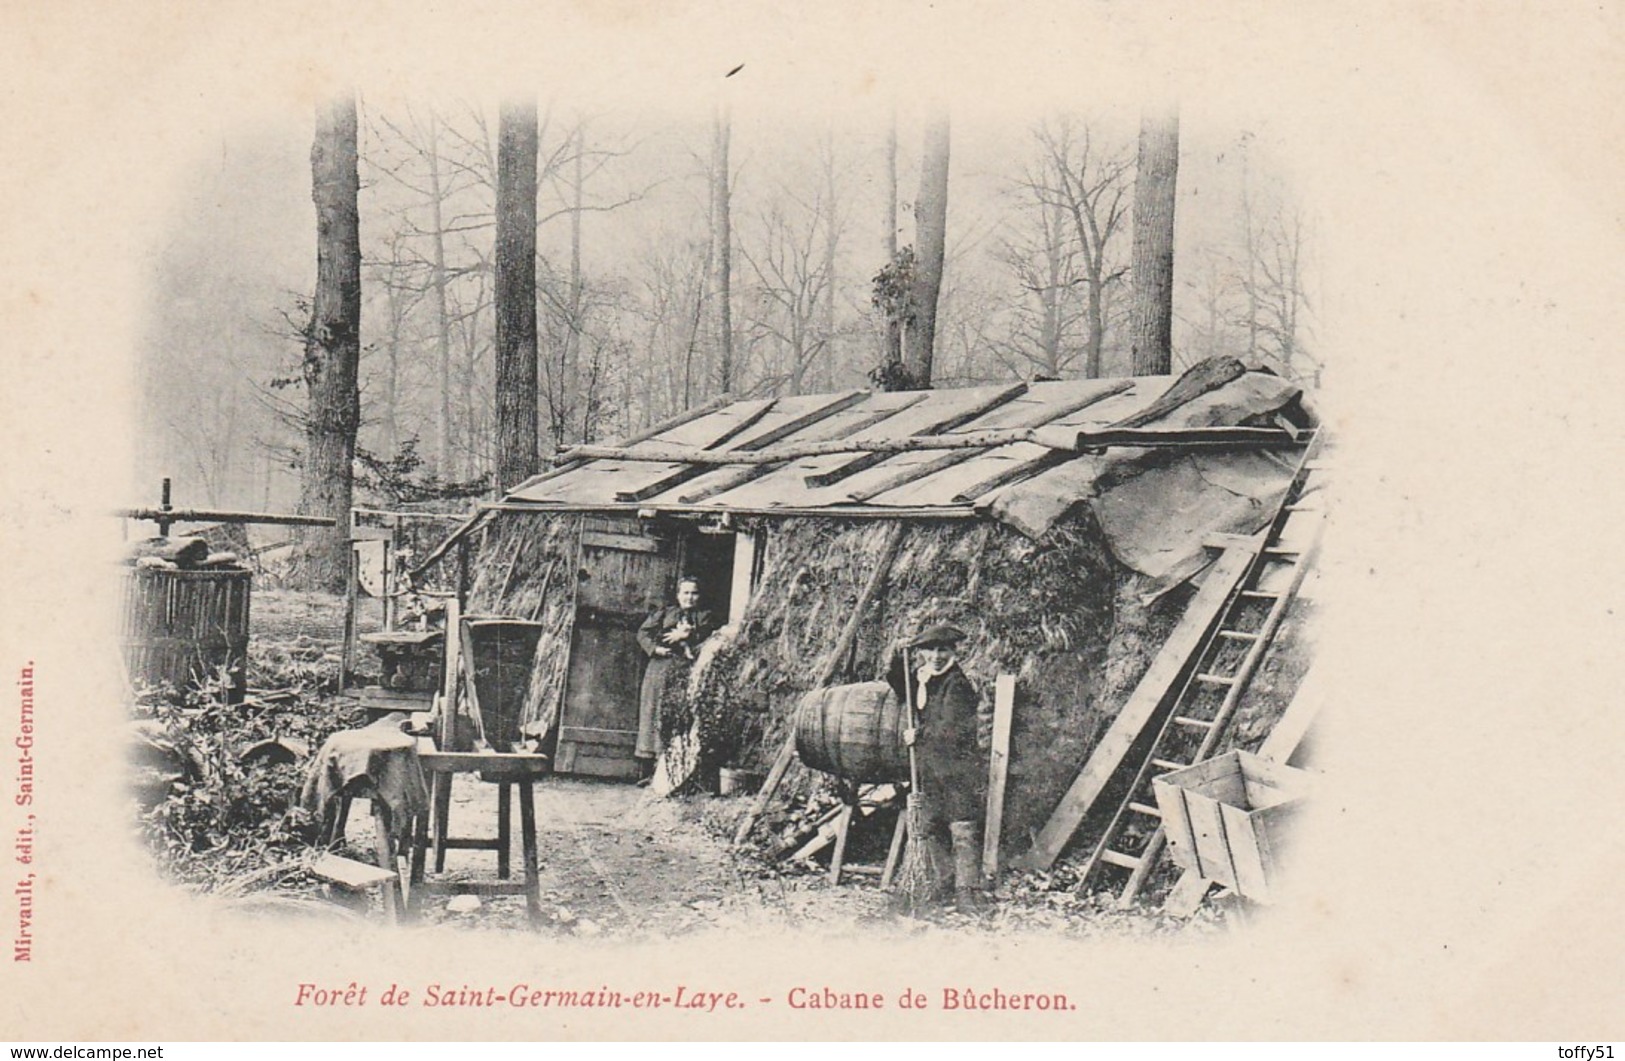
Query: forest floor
[[615, 860]]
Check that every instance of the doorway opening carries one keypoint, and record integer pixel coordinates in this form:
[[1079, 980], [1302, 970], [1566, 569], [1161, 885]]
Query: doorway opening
[[709, 557]]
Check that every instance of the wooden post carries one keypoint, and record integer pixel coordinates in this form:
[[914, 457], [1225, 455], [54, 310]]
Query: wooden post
[[391, 608], [527, 837], [895, 853], [745, 546], [352, 575], [164, 506], [843, 828], [1004, 702], [448, 729], [385, 847]]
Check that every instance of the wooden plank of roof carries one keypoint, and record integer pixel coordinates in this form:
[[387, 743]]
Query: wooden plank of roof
[[911, 472], [951, 485], [945, 424], [941, 486], [708, 430], [652, 431], [761, 440], [588, 477], [1036, 417], [720, 481], [1020, 469], [750, 420]]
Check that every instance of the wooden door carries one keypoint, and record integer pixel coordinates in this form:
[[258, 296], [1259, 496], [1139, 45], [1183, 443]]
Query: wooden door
[[622, 576]]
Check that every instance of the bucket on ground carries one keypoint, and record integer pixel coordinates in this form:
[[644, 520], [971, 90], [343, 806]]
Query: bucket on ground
[[853, 731]]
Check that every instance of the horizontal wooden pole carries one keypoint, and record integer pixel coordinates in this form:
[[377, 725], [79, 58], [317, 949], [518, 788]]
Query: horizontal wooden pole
[[1057, 438], [784, 512], [204, 515]]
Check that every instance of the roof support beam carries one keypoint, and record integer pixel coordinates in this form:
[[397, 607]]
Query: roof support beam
[[1074, 440]]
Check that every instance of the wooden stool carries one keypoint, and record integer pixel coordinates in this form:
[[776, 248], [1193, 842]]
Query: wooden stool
[[505, 770]]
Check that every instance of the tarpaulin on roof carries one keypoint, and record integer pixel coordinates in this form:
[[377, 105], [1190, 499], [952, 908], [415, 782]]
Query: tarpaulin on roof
[[1154, 508]]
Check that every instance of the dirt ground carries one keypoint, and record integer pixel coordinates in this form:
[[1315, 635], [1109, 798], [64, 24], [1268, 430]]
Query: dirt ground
[[617, 861]]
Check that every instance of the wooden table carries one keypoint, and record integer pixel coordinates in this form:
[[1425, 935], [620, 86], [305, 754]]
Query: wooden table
[[503, 769]]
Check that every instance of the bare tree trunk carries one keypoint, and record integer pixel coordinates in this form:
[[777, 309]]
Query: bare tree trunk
[[396, 301], [832, 235], [442, 337], [333, 345], [1250, 247], [721, 255], [1153, 262], [1052, 298], [931, 230], [894, 327], [573, 335], [517, 144]]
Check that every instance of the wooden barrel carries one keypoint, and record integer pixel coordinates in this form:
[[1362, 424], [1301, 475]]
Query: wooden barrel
[[503, 651], [853, 731], [182, 627]]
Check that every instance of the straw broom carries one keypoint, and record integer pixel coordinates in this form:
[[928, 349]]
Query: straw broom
[[921, 875]]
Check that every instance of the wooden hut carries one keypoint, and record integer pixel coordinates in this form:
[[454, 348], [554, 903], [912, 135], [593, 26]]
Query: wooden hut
[[1057, 522]]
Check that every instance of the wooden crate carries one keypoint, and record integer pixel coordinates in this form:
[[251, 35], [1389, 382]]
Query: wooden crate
[[1226, 818]]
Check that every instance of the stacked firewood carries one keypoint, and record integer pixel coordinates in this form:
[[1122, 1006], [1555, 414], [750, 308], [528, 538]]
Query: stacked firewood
[[179, 554]]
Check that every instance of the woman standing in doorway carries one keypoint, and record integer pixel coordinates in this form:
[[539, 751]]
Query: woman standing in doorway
[[671, 637]]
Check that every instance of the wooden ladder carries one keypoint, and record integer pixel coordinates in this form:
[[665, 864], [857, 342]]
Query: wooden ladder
[[1226, 659]]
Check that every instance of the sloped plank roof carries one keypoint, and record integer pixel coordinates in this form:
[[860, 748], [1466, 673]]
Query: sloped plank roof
[[949, 481]]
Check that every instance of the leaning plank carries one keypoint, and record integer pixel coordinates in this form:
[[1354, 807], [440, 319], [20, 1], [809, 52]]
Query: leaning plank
[[1020, 469], [1294, 723], [775, 776], [348, 873], [837, 859], [1197, 380], [1004, 702], [456, 536], [826, 672], [894, 854], [1172, 664]]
